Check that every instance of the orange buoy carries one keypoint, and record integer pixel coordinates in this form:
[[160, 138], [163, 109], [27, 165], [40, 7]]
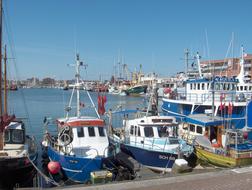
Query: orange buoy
[[53, 167]]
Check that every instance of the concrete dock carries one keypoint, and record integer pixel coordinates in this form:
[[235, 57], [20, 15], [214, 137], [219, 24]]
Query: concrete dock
[[228, 179]]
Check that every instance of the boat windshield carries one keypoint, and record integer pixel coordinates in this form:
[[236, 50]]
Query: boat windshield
[[17, 136], [14, 136], [167, 131]]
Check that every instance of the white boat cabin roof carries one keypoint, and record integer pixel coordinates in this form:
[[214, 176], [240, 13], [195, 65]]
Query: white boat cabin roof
[[80, 121], [15, 125], [155, 120]]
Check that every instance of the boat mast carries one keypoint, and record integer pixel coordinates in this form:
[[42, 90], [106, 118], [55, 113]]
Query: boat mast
[[186, 61], [241, 74], [198, 61], [1, 110], [1, 10], [5, 82], [77, 76]]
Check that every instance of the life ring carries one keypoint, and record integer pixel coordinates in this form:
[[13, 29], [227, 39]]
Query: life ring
[[65, 139]]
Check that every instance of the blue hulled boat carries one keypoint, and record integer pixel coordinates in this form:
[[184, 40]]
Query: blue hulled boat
[[152, 140], [81, 144], [198, 97]]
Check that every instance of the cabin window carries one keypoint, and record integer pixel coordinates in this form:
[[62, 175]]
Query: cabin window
[[224, 86], [203, 86], [131, 129], [7, 136], [148, 132], [17, 136], [162, 131], [80, 132], [217, 86], [138, 131], [199, 129], [101, 131], [237, 88], [192, 128], [185, 127], [91, 131], [198, 86], [191, 86], [207, 86], [228, 86], [241, 87], [233, 87], [250, 88], [194, 86], [245, 88]]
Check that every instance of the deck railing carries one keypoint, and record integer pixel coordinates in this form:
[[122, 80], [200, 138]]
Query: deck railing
[[204, 97], [151, 143]]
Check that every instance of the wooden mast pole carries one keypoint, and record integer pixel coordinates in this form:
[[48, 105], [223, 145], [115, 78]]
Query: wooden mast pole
[[1, 109], [1, 10], [5, 82]]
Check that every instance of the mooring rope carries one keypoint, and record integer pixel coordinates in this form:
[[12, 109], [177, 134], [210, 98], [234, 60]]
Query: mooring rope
[[47, 179]]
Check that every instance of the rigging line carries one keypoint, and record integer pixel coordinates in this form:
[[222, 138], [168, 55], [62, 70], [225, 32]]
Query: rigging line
[[13, 54], [208, 51], [225, 59]]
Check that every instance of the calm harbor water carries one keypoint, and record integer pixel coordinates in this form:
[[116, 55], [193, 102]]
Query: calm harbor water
[[34, 104]]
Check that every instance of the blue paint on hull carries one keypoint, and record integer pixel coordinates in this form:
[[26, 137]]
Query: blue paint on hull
[[180, 110], [149, 157], [76, 169]]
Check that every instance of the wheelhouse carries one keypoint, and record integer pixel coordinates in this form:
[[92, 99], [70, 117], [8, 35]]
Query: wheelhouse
[[202, 125], [14, 133], [200, 90], [80, 134]]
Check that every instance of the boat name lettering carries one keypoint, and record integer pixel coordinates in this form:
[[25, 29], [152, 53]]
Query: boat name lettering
[[164, 157], [73, 161]]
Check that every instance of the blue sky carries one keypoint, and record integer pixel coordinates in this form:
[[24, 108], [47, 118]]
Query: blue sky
[[154, 33]]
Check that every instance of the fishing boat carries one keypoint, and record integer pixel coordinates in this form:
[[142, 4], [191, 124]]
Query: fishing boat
[[81, 144], [215, 142], [152, 140], [197, 97], [137, 90], [18, 151]]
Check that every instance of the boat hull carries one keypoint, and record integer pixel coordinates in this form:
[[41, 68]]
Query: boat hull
[[76, 169], [17, 171], [181, 109], [136, 91], [155, 160], [221, 160]]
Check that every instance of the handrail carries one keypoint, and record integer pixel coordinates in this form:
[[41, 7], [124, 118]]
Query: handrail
[[202, 97], [152, 144]]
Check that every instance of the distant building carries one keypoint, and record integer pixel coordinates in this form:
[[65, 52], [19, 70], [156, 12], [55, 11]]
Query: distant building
[[48, 82], [32, 82], [227, 67]]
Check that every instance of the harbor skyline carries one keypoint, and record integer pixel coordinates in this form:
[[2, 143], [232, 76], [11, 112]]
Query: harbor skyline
[[47, 34]]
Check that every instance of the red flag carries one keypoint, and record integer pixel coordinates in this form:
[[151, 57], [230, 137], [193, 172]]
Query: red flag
[[222, 106], [230, 108], [101, 104]]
